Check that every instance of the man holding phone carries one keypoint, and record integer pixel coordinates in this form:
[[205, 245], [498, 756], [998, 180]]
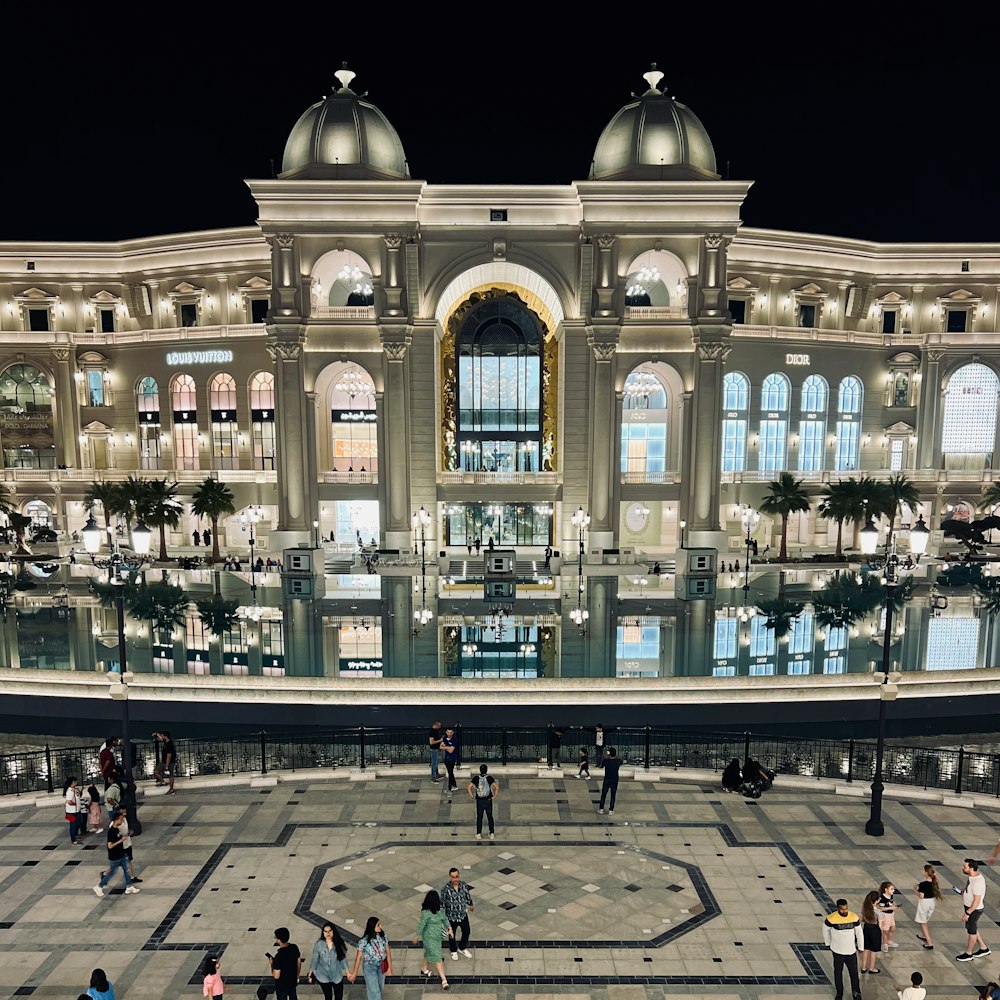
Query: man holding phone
[[973, 897], [286, 965]]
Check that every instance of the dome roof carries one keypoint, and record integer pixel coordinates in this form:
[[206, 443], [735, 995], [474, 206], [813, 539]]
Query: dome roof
[[344, 137], [654, 138]]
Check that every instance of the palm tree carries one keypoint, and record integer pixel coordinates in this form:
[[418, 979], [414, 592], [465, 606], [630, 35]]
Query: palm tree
[[6, 503], [218, 615], [841, 502], [896, 491], [159, 507], [212, 499], [781, 614], [133, 499], [786, 497], [161, 604], [991, 497], [20, 524], [109, 496]]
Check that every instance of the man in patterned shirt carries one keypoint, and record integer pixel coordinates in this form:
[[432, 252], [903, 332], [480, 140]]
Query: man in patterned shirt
[[457, 902]]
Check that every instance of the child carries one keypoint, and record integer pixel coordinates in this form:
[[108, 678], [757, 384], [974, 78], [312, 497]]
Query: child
[[915, 991], [886, 907], [584, 763], [94, 811]]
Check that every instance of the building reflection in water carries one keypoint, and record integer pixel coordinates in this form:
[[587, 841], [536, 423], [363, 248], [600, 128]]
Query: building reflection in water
[[796, 623]]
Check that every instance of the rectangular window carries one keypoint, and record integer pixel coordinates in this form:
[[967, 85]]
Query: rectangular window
[[901, 389], [149, 446], [812, 444], [889, 317], [952, 644], [799, 668], [800, 638], [738, 310], [725, 638], [644, 447], [734, 445], [848, 439], [761, 637], [807, 315], [956, 320], [773, 446], [107, 318], [95, 387], [897, 451], [186, 447], [834, 665], [263, 444], [258, 310], [225, 446], [38, 320], [189, 314]]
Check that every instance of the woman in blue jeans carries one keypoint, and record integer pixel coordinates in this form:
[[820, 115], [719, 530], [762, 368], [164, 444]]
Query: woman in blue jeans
[[373, 950]]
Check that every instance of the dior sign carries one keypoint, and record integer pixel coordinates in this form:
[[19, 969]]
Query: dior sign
[[797, 359]]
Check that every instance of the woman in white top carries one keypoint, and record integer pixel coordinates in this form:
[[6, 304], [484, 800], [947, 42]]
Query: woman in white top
[[72, 808]]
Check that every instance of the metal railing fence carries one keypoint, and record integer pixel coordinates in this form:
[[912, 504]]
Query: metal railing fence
[[959, 770]]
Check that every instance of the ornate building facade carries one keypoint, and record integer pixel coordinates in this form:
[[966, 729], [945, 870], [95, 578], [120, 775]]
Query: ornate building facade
[[501, 357]]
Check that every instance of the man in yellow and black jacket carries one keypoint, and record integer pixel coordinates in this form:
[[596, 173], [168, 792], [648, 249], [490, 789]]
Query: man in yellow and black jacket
[[843, 935]]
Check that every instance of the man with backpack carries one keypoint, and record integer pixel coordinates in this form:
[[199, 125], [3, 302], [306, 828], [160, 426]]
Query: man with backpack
[[484, 790]]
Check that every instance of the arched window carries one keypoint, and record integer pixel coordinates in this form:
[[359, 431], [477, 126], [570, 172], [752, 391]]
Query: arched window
[[499, 388], [184, 404], [262, 419], [644, 426], [26, 428], [225, 430], [39, 512], [970, 412], [355, 436], [735, 411], [147, 411], [773, 451], [812, 424], [850, 397]]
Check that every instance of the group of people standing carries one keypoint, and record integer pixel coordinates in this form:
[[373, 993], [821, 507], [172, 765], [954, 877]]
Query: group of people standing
[[846, 934]]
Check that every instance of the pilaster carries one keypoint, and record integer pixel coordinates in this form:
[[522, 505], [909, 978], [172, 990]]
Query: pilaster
[[603, 343]]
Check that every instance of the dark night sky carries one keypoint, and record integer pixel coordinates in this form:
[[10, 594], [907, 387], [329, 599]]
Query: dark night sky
[[861, 124]]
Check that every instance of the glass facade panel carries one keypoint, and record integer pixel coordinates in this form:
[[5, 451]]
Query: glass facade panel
[[773, 445], [970, 411], [507, 524]]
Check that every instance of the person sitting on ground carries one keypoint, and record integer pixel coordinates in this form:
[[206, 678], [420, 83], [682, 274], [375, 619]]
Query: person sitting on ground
[[754, 772], [991, 991], [915, 991], [732, 777]]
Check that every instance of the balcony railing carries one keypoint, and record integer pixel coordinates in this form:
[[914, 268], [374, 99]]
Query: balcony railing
[[498, 478], [347, 477], [670, 476], [656, 312], [119, 475], [956, 771], [343, 312]]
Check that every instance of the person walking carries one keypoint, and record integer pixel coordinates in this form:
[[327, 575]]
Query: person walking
[[127, 842], [555, 745], [584, 755], [168, 761], [112, 799], [973, 904], [478, 544], [928, 893], [328, 962], [915, 991], [71, 804], [842, 934], [484, 789], [116, 859], [430, 932], [374, 958], [871, 934], [457, 901], [449, 747], [100, 986], [434, 740], [212, 985], [286, 965], [886, 907], [612, 765]]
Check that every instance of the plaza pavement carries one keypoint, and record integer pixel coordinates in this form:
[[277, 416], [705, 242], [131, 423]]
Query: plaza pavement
[[684, 890]]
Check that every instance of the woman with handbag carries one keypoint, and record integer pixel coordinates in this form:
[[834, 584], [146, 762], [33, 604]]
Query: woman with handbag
[[374, 958], [434, 926]]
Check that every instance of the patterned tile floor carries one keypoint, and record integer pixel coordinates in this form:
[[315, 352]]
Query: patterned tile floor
[[684, 890]]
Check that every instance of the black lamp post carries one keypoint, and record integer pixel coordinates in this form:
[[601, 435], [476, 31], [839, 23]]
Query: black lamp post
[[249, 518], [420, 521], [118, 569], [890, 565]]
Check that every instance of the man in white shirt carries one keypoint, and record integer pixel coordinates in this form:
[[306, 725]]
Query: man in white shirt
[[973, 904], [915, 991]]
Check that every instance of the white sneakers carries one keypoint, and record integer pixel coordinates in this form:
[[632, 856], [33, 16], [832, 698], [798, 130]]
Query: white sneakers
[[465, 952], [131, 890], [491, 838], [98, 891], [454, 956], [611, 812]]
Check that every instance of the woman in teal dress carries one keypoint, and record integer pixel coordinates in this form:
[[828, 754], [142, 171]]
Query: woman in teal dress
[[433, 927]]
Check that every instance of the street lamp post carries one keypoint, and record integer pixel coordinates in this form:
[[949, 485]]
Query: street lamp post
[[684, 525], [249, 518], [118, 570], [420, 521], [891, 565]]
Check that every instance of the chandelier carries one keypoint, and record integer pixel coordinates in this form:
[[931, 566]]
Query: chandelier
[[352, 276], [354, 383], [641, 385]]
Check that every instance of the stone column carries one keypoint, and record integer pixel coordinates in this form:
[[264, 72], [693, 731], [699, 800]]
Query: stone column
[[392, 286], [381, 443], [916, 324], [601, 630], [290, 403], [396, 654], [67, 415], [224, 299], [687, 445], [605, 276], [397, 465], [842, 290], [705, 494], [602, 425], [154, 303], [772, 300], [929, 444], [309, 459], [712, 278], [285, 302]]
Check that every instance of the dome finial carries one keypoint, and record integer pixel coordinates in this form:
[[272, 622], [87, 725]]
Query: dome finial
[[345, 76], [653, 77]]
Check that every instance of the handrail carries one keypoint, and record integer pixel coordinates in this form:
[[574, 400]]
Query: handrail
[[959, 770]]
